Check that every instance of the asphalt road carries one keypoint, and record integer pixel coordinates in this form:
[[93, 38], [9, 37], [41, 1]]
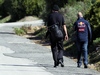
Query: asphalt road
[[20, 56]]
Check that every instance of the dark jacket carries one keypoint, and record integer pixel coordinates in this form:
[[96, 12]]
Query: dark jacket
[[83, 30], [55, 18]]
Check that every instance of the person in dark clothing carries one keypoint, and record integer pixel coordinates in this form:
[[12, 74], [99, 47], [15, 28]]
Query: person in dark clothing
[[57, 45], [83, 36]]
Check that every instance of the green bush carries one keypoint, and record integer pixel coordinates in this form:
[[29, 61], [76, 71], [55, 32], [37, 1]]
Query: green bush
[[1, 2], [3, 12], [5, 19], [33, 7], [15, 9], [93, 52], [19, 31], [93, 16], [20, 8], [97, 41]]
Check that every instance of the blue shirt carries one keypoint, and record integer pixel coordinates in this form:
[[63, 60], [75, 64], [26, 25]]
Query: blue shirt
[[83, 30]]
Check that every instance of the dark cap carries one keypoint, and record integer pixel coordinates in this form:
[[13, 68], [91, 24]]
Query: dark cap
[[55, 8]]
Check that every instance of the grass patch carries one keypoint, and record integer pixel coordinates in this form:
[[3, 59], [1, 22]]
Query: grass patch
[[23, 30], [5, 19], [19, 31], [37, 31]]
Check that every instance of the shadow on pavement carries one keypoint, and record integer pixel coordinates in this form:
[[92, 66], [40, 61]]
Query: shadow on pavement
[[7, 33]]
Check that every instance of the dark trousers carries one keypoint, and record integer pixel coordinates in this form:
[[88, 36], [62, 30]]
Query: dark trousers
[[57, 49]]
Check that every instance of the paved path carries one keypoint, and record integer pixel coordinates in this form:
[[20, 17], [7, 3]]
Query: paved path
[[18, 66], [33, 23], [20, 56]]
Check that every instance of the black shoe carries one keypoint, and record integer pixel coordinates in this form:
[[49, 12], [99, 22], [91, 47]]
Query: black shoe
[[85, 66], [79, 65], [56, 64], [62, 64]]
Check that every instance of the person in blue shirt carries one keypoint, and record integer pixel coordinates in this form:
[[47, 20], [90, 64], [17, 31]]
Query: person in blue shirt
[[83, 36]]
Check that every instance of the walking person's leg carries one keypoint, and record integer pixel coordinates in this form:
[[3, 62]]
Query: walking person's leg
[[54, 51], [79, 58], [54, 54], [60, 52], [85, 54], [79, 54]]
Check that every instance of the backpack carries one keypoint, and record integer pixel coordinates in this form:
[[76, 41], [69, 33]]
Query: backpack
[[55, 32]]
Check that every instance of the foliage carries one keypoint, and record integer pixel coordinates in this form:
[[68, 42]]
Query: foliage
[[93, 16], [5, 19], [50, 3], [71, 2], [95, 57], [20, 31], [39, 8], [3, 12], [98, 66], [15, 9], [37, 31], [1, 2], [23, 8], [97, 41], [33, 6], [94, 53]]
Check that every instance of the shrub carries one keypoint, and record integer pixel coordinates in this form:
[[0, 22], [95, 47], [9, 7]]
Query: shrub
[[15, 9], [97, 41], [3, 12], [20, 31], [22, 8], [33, 7], [93, 16]]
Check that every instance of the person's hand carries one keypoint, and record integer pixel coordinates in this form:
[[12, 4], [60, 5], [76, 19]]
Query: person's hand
[[66, 37]]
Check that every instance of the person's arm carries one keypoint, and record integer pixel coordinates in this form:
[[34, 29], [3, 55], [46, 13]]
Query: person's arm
[[90, 32], [65, 29], [66, 33], [74, 27]]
